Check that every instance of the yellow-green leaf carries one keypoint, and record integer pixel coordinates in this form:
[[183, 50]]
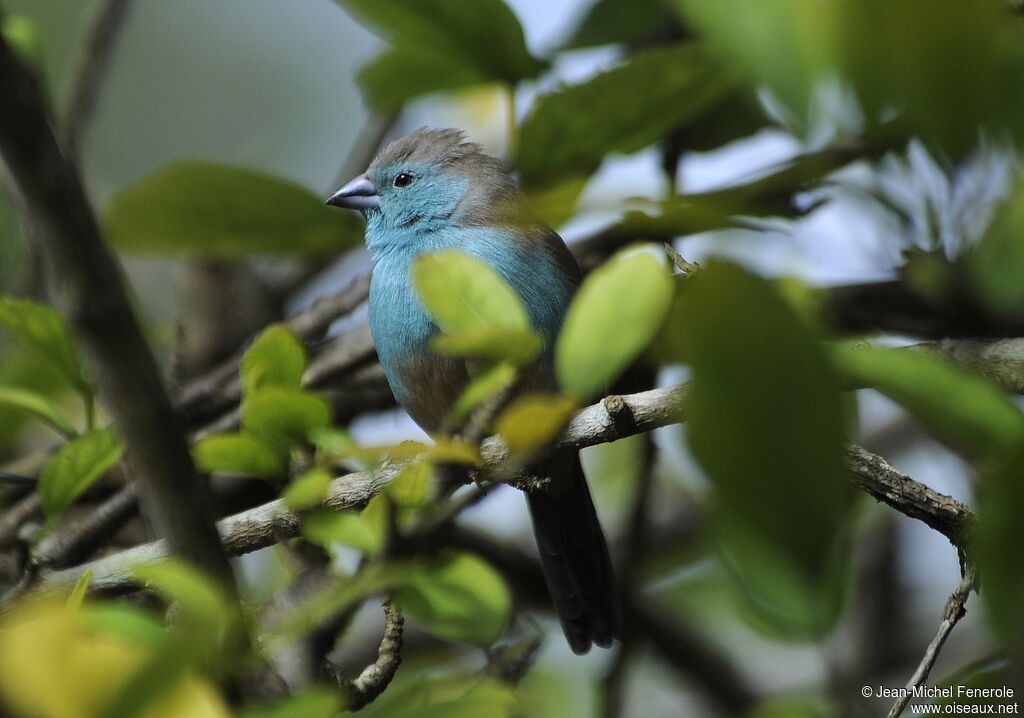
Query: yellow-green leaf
[[613, 318], [458, 597], [76, 467], [533, 421], [284, 417], [462, 293], [308, 490], [241, 454], [202, 209], [514, 346], [276, 358]]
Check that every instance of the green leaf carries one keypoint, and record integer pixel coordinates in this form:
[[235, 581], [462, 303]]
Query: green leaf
[[623, 110], [345, 527], [308, 490], [459, 696], [462, 294], [284, 416], [311, 703], [960, 63], [961, 407], [37, 405], [200, 209], [23, 35], [488, 384], [413, 488], [458, 597], [613, 318], [533, 421], [241, 454], [77, 466], [438, 45], [275, 358], [996, 542], [203, 601], [125, 622], [43, 329], [515, 346], [765, 422], [77, 596], [630, 22]]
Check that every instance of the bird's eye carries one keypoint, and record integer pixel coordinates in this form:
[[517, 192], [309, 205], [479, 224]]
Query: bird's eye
[[403, 179]]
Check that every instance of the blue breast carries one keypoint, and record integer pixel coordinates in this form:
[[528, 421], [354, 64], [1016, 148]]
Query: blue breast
[[401, 328]]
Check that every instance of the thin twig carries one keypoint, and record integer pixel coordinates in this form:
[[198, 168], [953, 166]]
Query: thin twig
[[951, 615], [372, 681], [98, 48]]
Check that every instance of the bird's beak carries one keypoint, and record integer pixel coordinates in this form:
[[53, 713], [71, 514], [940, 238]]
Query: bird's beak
[[360, 193]]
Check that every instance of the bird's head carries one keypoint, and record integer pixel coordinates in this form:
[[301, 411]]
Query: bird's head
[[429, 180]]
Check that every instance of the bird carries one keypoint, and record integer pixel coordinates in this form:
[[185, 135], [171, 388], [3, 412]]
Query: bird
[[434, 190]]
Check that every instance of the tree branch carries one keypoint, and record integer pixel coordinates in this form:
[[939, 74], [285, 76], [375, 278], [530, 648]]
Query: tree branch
[[98, 48], [87, 284], [372, 681], [951, 615], [911, 498]]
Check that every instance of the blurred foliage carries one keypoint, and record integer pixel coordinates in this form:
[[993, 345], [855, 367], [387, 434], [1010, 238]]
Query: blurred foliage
[[622, 110], [959, 64], [782, 510], [438, 45], [206, 210]]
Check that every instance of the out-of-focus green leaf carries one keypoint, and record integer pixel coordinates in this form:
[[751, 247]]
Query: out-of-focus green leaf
[[461, 696], [622, 110], [447, 450], [338, 597], [284, 416], [996, 264], [996, 542], [22, 34], [440, 45], [78, 592], [76, 467], [458, 597], [308, 490], [533, 421], [555, 202], [345, 527], [204, 602], [494, 380], [241, 454], [413, 488], [763, 382], [613, 318], [42, 328], [276, 358], [312, 703], [964, 408], [462, 293], [201, 209], [630, 22], [492, 343], [793, 707], [959, 63], [37, 405], [125, 622]]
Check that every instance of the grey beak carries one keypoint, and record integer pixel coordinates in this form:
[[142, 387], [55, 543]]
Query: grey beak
[[360, 193]]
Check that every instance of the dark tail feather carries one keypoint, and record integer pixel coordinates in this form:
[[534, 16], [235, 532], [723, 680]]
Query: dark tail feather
[[574, 556]]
